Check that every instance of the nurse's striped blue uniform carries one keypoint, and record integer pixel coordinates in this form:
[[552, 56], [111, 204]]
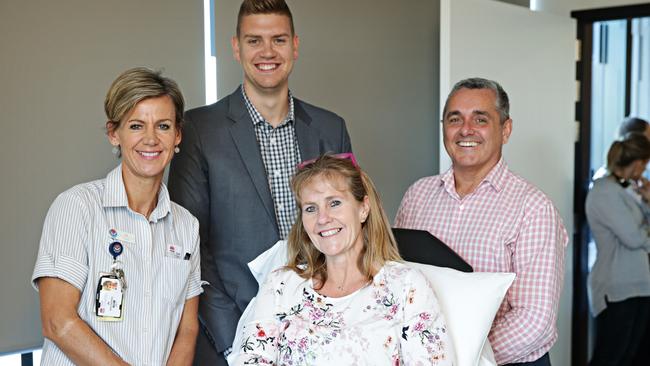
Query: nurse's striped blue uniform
[[74, 247]]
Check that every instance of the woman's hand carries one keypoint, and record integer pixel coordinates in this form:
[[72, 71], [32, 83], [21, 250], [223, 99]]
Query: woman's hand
[[643, 189]]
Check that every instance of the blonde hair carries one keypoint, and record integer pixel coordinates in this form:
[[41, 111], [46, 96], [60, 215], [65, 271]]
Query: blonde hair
[[379, 245], [135, 85]]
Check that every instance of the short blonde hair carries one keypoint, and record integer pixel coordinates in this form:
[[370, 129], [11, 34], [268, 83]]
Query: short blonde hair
[[379, 245], [135, 85]]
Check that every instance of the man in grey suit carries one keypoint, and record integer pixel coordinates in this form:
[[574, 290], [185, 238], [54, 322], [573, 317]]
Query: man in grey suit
[[235, 163]]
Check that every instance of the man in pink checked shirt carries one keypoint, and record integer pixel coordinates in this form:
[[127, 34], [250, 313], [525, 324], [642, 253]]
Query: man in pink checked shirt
[[495, 220]]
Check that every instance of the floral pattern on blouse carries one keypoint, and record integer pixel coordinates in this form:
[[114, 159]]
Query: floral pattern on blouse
[[395, 320]]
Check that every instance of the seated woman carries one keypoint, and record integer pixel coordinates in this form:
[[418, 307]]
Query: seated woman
[[344, 298], [118, 264], [619, 282]]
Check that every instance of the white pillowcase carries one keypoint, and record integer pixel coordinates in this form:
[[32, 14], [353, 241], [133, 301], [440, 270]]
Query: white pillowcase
[[267, 262], [469, 302]]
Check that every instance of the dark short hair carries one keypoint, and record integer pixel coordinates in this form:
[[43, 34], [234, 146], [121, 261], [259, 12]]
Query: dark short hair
[[502, 100], [135, 85], [632, 124], [251, 7]]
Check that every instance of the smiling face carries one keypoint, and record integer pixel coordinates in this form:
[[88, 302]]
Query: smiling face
[[147, 137], [473, 132], [266, 49], [333, 218]]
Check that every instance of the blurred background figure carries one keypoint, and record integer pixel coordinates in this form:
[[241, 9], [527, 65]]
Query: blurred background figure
[[629, 125], [619, 282]]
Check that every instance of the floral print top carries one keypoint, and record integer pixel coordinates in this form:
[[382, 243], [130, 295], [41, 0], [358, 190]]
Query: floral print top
[[395, 320]]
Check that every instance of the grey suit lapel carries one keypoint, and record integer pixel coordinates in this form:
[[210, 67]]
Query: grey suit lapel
[[243, 133], [308, 142]]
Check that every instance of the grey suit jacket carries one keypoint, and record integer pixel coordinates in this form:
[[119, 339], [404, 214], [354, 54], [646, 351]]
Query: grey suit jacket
[[219, 176]]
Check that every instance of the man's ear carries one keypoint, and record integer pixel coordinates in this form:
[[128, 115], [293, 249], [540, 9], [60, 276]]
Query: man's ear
[[506, 130], [296, 43], [234, 43]]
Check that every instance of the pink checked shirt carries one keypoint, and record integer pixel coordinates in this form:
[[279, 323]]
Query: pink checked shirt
[[505, 225]]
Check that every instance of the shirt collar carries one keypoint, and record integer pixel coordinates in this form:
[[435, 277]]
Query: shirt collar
[[115, 195], [256, 116], [495, 178]]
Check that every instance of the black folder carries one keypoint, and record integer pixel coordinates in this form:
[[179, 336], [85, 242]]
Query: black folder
[[422, 247]]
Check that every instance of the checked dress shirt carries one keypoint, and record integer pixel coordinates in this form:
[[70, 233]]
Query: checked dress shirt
[[505, 225], [280, 154]]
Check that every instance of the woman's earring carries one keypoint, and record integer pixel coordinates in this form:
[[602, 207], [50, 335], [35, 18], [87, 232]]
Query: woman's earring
[[116, 150], [177, 149]]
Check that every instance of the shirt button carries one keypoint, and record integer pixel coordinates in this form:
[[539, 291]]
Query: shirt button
[[277, 173], [280, 207], [147, 293], [145, 330], [272, 140]]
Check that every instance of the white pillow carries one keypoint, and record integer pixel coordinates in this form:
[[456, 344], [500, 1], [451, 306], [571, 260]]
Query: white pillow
[[487, 356], [469, 302], [267, 262]]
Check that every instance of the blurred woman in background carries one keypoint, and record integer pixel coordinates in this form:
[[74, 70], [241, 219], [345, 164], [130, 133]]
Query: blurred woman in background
[[619, 283]]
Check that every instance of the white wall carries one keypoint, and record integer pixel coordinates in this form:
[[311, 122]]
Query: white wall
[[373, 62], [57, 60]]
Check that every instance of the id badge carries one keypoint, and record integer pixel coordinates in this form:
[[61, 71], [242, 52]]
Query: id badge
[[174, 251], [109, 298]]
